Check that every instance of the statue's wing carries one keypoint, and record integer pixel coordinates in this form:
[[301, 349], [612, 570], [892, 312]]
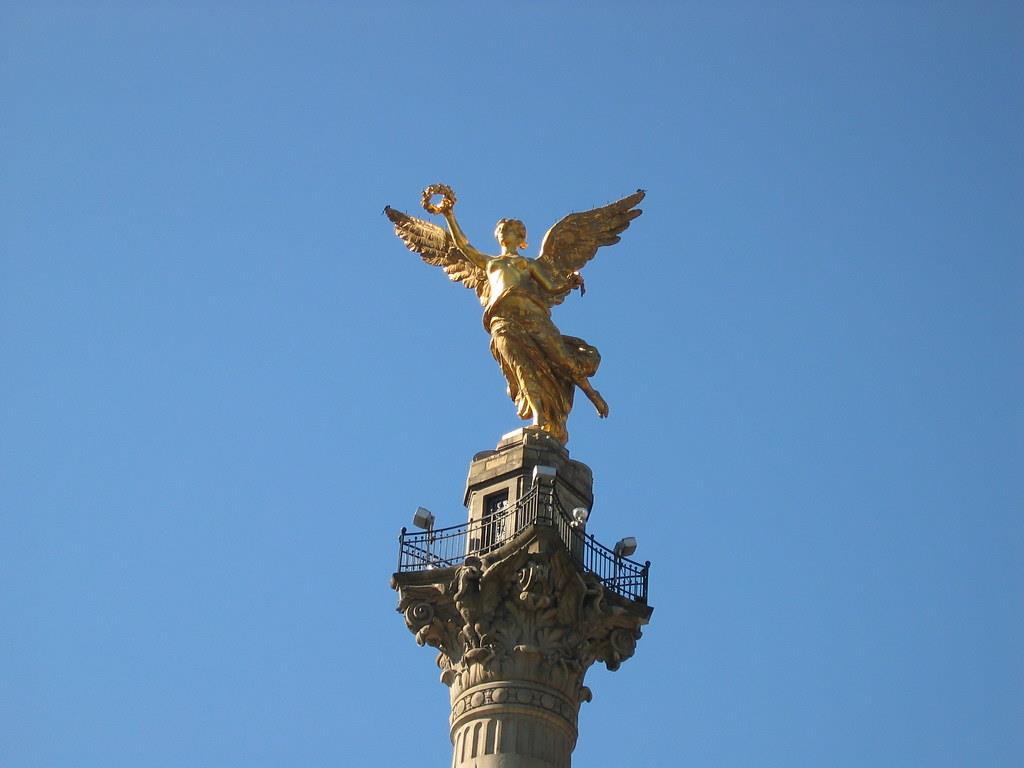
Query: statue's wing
[[436, 246], [574, 240]]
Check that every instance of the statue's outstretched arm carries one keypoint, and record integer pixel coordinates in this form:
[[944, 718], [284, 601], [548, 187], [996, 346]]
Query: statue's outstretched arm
[[479, 258]]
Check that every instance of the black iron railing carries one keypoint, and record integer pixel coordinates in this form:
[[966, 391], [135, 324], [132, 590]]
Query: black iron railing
[[621, 575], [446, 547]]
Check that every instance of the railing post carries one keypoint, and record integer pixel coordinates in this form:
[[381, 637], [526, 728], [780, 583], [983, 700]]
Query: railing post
[[545, 476], [401, 548]]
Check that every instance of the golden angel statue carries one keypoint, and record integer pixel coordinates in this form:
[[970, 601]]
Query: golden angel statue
[[542, 366]]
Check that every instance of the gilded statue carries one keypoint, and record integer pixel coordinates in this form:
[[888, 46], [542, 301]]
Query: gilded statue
[[542, 366]]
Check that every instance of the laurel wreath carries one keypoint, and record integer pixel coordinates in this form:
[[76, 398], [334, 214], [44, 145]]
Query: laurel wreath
[[447, 198]]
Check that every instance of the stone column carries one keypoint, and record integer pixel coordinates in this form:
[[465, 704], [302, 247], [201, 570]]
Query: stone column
[[518, 625]]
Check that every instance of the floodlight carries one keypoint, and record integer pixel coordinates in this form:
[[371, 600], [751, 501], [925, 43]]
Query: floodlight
[[580, 515], [547, 474], [625, 547], [423, 518]]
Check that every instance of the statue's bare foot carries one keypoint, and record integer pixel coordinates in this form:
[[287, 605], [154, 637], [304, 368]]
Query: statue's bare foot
[[594, 396]]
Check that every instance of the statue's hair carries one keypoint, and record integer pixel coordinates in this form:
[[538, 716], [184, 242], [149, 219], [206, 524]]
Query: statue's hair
[[502, 223]]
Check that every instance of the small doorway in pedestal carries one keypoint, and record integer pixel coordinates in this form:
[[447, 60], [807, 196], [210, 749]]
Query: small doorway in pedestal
[[492, 528]]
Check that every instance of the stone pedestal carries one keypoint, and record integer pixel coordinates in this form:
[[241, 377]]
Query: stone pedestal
[[509, 470], [519, 620]]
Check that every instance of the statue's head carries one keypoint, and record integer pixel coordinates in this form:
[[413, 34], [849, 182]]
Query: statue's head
[[511, 234]]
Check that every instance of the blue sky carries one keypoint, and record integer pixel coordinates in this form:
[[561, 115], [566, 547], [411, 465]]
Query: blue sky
[[225, 385]]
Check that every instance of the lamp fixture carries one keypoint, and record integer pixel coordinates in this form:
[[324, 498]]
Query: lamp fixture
[[547, 474], [423, 518], [625, 547]]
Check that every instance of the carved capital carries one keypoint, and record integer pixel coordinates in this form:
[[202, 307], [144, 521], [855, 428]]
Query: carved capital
[[525, 612]]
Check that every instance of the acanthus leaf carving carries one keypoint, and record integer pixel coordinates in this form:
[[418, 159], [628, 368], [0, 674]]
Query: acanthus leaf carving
[[527, 612]]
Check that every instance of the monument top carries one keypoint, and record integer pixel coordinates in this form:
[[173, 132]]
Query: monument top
[[542, 366]]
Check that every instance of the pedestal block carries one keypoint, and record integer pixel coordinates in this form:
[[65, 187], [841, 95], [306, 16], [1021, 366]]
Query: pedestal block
[[510, 467]]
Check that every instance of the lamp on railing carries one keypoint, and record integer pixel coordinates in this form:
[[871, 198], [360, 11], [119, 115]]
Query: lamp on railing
[[423, 518], [544, 474], [544, 477], [625, 547], [579, 516]]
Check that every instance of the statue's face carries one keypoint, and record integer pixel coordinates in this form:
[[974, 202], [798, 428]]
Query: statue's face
[[511, 234]]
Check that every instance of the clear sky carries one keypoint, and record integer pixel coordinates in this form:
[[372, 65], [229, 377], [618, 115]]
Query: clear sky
[[225, 385]]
